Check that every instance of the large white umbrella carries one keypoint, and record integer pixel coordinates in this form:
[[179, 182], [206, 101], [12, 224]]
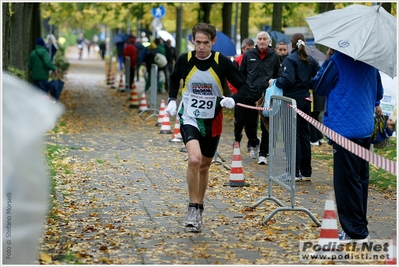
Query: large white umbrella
[[362, 32], [167, 36]]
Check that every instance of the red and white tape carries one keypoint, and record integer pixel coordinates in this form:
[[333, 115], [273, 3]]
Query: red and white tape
[[363, 153]]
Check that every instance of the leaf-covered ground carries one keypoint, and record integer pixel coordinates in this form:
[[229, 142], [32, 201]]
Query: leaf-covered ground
[[120, 193]]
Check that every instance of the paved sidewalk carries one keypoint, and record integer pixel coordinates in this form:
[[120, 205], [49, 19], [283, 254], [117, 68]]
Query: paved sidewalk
[[126, 198]]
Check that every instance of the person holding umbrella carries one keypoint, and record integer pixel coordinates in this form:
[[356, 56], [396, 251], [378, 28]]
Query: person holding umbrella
[[353, 89], [362, 41]]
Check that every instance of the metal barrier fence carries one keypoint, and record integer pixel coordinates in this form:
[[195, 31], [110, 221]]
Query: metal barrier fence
[[282, 154], [153, 92]]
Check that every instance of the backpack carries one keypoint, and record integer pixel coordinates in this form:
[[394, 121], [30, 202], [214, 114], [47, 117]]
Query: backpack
[[381, 130], [160, 60]]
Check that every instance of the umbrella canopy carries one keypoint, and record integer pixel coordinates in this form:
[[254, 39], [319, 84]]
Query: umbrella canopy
[[279, 36], [364, 33], [167, 36], [120, 38], [314, 52], [223, 44]]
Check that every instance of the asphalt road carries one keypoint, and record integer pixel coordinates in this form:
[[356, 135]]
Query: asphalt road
[[125, 198]]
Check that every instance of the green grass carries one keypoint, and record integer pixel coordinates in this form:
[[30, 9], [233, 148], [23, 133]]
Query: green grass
[[55, 153], [379, 178], [60, 127]]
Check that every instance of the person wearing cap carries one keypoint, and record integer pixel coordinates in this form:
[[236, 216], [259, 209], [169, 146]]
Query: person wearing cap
[[39, 64], [130, 50]]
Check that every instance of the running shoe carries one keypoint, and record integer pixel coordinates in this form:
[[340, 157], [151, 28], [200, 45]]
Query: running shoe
[[301, 178], [344, 238], [192, 217], [253, 153], [262, 160]]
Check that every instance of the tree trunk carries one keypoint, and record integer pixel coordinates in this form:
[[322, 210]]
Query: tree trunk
[[227, 11], [387, 7], [179, 26], [244, 23], [32, 26], [206, 8], [6, 35], [277, 17], [16, 31], [324, 7], [24, 30]]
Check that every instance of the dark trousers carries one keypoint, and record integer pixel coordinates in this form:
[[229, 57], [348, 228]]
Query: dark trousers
[[303, 150], [132, 71], [315, 135], [351, 180], [168, 70], [264, 143], [43, 85], [240, 119], [247, 118]]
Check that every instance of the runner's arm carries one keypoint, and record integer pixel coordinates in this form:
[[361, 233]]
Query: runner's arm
[[176, 76]]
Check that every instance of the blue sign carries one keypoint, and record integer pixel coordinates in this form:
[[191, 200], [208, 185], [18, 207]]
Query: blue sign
[[158, 12]]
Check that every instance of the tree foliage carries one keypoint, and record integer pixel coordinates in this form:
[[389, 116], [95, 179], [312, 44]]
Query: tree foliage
[[24, 19]]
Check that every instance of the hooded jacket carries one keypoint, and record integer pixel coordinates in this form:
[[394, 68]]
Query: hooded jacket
[[40, 64]]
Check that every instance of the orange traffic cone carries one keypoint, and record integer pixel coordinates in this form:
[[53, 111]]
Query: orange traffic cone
[[236, 171], [176, 136], [328, 240], [109, 77], [112, 82], [121, 87], [161, 113], [165, 128], [392, 252], [143, 103], [134, 100], [329, 226]]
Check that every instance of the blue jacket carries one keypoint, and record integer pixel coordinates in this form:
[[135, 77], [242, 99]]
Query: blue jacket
[[297, 76], [353, 89]]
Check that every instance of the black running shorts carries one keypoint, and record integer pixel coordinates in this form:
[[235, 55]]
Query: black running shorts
[[208, 145]]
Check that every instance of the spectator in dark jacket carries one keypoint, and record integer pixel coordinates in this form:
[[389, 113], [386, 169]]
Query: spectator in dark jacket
[[152, 50], [39, 63], [259, 65], [102, 47], [140, 50], [282, 51], [119, 49], [240, 112], [298, 70]]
